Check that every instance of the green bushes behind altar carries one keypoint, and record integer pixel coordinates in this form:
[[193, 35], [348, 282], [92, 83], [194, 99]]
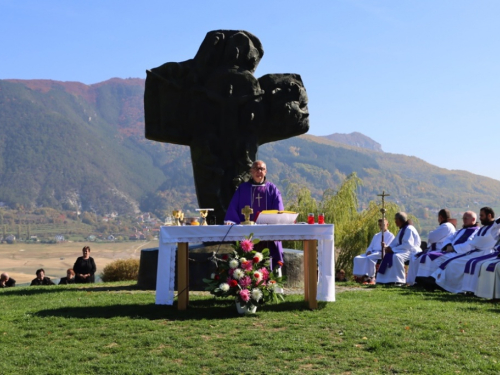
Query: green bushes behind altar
[[354, 228]]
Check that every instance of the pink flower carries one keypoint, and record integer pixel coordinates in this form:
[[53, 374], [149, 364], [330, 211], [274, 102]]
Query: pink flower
[[230, 272], [247, 265], [265, 273], [245, 295], [245, 281], [247, 246]]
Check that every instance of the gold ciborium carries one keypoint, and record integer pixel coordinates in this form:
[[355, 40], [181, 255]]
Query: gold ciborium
[[178, 217], [203, 214]]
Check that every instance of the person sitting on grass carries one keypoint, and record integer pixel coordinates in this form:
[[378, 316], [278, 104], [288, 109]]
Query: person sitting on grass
[[41, 279], [84, 268], [6, 281], [340, 276], [69, 279]]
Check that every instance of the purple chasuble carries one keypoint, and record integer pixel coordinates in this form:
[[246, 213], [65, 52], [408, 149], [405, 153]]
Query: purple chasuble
[[259, 198]]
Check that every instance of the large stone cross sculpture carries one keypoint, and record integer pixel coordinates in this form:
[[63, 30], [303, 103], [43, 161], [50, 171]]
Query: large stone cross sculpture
[[215, 105]]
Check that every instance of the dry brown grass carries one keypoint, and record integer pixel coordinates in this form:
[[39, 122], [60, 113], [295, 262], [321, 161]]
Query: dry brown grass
[[22, 260]]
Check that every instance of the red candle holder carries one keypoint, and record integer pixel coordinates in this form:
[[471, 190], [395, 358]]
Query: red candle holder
[[310, 219], [321, 219]]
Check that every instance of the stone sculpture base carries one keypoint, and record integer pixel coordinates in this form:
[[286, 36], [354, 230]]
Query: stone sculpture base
[[200, 266]]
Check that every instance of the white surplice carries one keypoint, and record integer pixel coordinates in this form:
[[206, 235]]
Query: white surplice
[[403, 246], [429, 266], [364, 264], [436, 241], [451, 278], [488, 284]]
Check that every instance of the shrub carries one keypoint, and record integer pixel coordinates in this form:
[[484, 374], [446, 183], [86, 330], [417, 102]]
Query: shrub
[[121, 270]]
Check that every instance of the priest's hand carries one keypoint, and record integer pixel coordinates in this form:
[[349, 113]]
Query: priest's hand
[[388, 250], [368, 253], [448, 249]]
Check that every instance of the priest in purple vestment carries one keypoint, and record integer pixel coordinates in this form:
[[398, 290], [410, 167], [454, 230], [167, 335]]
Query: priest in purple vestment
[[260, 195]]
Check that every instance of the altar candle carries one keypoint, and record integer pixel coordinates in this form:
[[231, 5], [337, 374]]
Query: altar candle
[[310, 219], [321, 219]]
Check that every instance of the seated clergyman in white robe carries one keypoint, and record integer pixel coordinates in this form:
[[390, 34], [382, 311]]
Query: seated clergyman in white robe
[[488, 283], [436, 241], [406, 243], [365, 264], [459, 273], [458, 243]]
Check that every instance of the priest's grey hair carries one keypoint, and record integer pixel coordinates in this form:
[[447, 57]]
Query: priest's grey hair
[[257, 162], [402, 216]]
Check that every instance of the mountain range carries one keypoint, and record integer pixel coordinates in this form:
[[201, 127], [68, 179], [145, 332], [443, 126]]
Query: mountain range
[[70, 146]]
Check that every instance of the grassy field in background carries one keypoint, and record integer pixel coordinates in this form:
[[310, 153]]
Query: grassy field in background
[[116, 329], [21, 260]]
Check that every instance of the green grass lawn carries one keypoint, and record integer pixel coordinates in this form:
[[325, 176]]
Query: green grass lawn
[[115, 329]]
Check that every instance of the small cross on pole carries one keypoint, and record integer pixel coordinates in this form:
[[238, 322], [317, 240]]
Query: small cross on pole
[[383, 211]]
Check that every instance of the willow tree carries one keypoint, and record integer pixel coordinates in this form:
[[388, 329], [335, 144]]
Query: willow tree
[[354, 229]]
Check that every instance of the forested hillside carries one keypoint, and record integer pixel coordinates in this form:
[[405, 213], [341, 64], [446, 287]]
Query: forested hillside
[[68, 145]]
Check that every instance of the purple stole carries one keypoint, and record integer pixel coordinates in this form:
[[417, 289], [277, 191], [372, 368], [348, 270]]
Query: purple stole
[[388, 258], [432, 255], [465, 235], [470, 266], [443, 266], [492, 265]]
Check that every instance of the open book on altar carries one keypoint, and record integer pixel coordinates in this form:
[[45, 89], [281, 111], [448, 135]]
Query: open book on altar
[[277, 217]]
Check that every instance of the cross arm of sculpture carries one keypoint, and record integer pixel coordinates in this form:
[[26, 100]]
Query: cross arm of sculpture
[[213, 104]]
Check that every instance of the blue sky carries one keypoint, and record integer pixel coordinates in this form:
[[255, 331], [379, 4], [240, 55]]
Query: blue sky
[[420, 77]]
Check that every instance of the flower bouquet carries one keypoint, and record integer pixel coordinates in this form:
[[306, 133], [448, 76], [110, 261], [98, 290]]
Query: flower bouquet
[[246, 275]]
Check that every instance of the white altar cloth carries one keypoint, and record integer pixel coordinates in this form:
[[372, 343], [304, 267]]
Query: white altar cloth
[[171, 235]]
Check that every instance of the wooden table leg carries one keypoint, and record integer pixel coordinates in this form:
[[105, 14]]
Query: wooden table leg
[[182, 275], [311, 254], [305, 245]]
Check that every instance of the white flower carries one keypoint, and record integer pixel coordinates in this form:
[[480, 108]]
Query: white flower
[[212, 276], [259, 256], [238, 273], [257, 275], [233, 263], [256, 294], [243, 259], [224, 287]]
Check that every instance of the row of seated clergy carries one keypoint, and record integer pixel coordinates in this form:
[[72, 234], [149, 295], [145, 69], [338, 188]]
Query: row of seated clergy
[[405, 244], [6, 281], [365, 264], [469, 262], [437, 239], [458, 243], [460, 273]]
